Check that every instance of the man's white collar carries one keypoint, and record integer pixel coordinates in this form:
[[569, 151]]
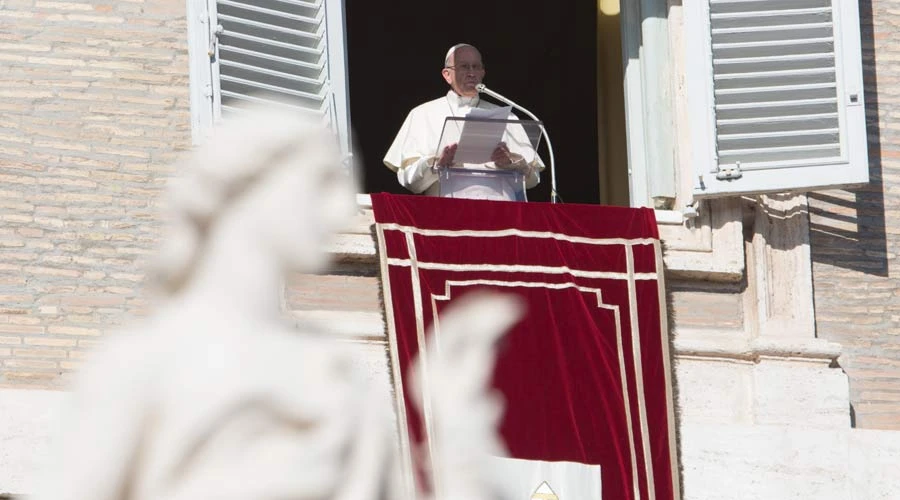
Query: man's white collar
[[459, 101]]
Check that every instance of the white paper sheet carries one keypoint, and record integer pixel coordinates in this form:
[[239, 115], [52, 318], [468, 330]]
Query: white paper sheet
[[478, 139]]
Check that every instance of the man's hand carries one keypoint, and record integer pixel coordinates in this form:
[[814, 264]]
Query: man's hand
[[506, 160], [501, 156], [447, 155]]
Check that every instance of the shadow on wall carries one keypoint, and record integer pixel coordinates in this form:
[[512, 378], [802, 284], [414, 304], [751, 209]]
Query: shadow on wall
[[847, 227]]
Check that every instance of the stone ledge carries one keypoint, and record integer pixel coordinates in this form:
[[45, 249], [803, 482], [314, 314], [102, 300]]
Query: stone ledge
[[716, 345], [364, 326]]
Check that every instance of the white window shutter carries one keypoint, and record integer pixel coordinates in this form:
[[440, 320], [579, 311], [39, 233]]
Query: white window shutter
[[278, 50], [778, 99]]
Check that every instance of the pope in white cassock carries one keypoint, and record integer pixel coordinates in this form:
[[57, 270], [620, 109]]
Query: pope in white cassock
[[413, 154]]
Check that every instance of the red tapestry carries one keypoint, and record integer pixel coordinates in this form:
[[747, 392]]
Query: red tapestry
[[585, 376]]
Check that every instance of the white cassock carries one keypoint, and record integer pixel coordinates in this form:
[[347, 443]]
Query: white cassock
[[413, 151]]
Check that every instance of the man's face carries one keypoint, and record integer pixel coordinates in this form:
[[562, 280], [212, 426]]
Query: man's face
[[465, 72]]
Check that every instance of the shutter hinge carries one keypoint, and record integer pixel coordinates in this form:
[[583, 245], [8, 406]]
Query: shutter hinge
[[729, 173], [214, 40]]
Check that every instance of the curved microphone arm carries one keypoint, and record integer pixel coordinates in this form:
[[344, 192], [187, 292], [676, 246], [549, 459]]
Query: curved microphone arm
[[484, 90]]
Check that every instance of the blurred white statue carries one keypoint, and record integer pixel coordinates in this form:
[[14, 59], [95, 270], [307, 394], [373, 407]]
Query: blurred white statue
[[214, 395], [464, 410]]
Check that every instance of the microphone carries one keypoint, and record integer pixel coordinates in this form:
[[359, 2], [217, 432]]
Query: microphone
[[482, 89]]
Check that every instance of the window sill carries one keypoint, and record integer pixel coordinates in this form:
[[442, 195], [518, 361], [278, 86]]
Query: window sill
[[709, 246]]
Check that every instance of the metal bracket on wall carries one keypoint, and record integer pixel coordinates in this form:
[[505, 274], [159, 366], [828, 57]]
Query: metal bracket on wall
[[730, 172]]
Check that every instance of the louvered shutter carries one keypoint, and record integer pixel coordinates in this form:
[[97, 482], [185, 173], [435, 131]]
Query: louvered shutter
[[278, 50], [783, 94]]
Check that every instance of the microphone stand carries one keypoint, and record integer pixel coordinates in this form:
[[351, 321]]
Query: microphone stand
[[554, 198]]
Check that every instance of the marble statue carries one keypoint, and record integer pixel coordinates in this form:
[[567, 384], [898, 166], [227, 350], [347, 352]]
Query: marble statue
[[214, 394], [464, 410]]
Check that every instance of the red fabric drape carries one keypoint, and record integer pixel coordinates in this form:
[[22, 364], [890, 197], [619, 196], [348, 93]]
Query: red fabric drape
[[585, 376]]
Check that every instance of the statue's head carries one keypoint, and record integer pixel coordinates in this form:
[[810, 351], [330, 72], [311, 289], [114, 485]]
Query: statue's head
[[275, 173]]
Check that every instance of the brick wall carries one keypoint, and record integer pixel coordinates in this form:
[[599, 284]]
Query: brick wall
[[93, 107], [855, 239]]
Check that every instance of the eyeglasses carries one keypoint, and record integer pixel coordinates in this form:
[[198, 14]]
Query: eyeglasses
[[467, 67]]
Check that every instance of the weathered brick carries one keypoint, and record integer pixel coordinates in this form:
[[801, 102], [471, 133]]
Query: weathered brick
[[121, 152], [38, 244], [12, 57], [9, 194], [18, 206], [72, 330], [82, 318], [4, 150], [17, 179], [91, 73], [24, 47], [95, 19], [52, 271], [29, 364], [56, 61], [62, 181], [19, 319], [40, 353], [13, 298], [49, 222], [165, 54], [20, 256], [147, 77], [61, 84], [63, 5], [6, 329], [94, 163], [16, 139], [67, 146], [17, 218], [15, 310], [94, 301]]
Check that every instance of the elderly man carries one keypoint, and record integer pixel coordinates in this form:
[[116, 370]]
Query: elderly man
[[413, 152]]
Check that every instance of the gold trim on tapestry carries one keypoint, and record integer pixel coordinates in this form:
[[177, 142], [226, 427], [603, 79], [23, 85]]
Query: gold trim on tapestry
[[423, 358], [525, 268], [639, 374], [667, 371], [500, 233], [402, 422]]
